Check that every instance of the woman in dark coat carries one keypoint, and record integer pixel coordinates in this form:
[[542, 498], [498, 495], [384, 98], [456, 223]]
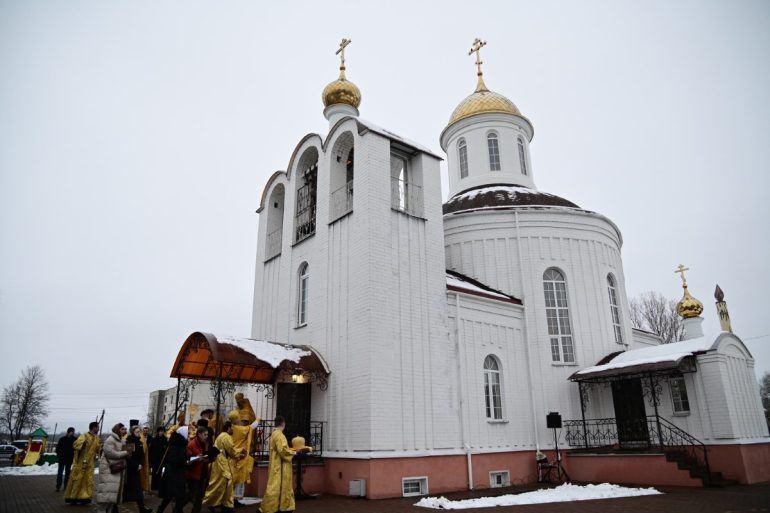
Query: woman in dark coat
[[172, 484], [157, 452], [133, 491]]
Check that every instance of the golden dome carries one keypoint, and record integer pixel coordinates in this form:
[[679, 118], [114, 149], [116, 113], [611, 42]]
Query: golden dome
[[341, 90], [689, 306], [481, 101]]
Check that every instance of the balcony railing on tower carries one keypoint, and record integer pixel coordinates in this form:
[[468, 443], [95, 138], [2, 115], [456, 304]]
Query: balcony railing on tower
[[406, 197], [342, 201], [273, 243], [304, 221]]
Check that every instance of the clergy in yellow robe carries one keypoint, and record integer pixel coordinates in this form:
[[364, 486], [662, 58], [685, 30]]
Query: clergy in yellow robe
[[279, 495], [243, 463], [144, 474], [220, 489], [80, 486]]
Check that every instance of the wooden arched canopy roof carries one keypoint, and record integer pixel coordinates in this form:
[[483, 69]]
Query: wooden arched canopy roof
[[204, 356]]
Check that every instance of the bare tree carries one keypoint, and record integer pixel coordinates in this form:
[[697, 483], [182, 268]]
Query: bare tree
[[652, 311], [764, 393], [24, 403]]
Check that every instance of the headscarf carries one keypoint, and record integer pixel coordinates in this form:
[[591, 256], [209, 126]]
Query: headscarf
[[183, 431]]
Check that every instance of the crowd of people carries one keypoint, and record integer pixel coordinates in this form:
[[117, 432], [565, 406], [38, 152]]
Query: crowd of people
[[186, 464]]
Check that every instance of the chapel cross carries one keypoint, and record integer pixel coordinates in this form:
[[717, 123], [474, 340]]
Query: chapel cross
[[341, 51], [478, 44], [680, 270]]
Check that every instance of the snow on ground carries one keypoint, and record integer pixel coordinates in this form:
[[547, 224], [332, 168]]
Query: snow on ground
[[46, 469], [564, 493]]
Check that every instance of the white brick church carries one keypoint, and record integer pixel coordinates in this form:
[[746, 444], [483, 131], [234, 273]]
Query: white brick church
[[450, 330]]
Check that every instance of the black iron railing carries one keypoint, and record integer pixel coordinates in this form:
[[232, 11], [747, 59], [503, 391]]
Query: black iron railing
[[650, 433], [261, 446]]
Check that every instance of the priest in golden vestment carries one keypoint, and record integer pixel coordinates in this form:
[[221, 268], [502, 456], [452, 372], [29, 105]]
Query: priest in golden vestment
[[144, 474], [244, 422], [279, 495], [220, 489], [80, 486]]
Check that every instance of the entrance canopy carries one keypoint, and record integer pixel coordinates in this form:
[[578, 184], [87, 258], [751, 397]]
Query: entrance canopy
[[204, 356], [673, 358]]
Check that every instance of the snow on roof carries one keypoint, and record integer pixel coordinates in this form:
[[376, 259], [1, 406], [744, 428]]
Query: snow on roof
[[390, 135], [500, 189], [269, 352], [453, 281], [672, 354]]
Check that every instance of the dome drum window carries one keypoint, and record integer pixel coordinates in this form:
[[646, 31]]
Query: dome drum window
[[462, 151], [522, 157], [494, 152]]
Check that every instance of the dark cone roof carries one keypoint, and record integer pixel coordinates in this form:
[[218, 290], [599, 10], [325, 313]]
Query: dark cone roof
[[501, 196]]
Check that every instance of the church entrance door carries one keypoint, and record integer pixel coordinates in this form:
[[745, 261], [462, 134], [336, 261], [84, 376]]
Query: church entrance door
[[293, 403], [630, 414]]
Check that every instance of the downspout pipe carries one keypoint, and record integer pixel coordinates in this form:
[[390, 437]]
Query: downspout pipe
[[526, 340], [461, 392]]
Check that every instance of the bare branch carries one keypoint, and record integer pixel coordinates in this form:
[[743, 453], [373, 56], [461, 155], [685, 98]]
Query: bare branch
[[652, 311]]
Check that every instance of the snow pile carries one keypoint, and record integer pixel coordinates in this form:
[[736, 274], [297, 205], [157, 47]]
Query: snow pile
[[564, 493], [269, 352], [46, 469]]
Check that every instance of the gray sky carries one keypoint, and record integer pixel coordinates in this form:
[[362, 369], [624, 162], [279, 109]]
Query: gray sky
[[136, 137]]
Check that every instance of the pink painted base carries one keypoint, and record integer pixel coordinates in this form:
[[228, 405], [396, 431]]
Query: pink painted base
[[747, 464], [744, 463], [636, 469]]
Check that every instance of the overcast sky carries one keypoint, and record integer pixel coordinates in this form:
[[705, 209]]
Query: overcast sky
[[136, 138]]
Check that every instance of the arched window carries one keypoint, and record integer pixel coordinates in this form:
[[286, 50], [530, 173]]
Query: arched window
[[492, 396], [494, 152], [522, 158], [462, 150], [302, 294], [614, 311], [557, 315]]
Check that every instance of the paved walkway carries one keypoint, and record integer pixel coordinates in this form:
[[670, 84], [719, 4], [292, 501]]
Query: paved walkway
[[35, 494]]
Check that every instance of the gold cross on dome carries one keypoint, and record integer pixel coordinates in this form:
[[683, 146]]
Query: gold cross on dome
[[680, 270], [478, 44], [341, 51]]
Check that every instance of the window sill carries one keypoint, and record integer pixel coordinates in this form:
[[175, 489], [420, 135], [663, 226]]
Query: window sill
[[346, 214], [303, 239], [408, 213], [272, 257], [681, 414], [564, 364], [497, 421]]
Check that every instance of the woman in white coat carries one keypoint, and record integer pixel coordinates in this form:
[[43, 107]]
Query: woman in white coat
[[109, 489]]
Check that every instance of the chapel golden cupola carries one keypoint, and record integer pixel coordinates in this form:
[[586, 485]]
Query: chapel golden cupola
[[482, 100], [342, 91], [688, 307]]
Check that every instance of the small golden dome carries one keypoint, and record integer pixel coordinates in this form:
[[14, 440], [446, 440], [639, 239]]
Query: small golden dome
[[689, 306], [481, 101], [341, 90]]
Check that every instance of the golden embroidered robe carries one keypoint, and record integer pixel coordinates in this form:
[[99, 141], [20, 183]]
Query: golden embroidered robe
[[279, 495], [243, 463], [144, 474], [80, 485], [220, 489]]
